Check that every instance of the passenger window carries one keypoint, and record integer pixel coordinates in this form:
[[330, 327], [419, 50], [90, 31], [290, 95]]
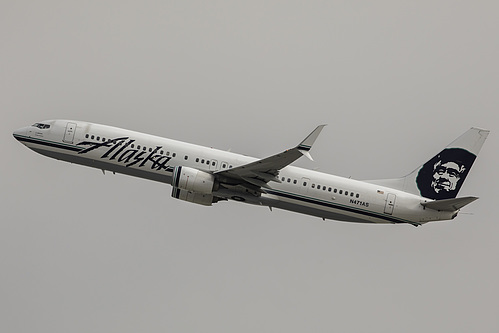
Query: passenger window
[[304, 183], [144, 148], [132, 145], [313, 185], [98, 138], [197, 160], [138, 146], [323, 188], [351, 194], [103, 139], [186, 157], [346, 192], [335, 190], [341, 191], [150, 149], [202, 161], [357, 195], [92, 137], [224, 165], [86, 136], [289, 180], [329, 189], [174, 154], [294, 181]]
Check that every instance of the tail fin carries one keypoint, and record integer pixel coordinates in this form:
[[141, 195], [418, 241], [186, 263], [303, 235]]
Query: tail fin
[[443, 175]]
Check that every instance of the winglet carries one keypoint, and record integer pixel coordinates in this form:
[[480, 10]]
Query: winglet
[[306, 144]]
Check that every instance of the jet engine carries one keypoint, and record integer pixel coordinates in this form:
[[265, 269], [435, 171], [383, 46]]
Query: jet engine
[[193, 185]]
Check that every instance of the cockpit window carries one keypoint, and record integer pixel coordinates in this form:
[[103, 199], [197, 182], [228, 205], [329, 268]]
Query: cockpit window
[[41, 126]]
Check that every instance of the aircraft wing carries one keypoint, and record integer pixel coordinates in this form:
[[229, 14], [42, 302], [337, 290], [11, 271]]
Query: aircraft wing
[[260, 172]]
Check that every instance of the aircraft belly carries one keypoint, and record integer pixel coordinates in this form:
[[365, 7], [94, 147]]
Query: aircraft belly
[[326, 209], [164, 177], [329, 214]]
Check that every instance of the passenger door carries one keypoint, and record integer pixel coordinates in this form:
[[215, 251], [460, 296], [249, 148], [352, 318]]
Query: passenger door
[[69, 134]]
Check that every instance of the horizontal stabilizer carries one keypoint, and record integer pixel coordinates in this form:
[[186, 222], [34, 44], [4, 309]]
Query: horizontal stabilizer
[[449, 205]]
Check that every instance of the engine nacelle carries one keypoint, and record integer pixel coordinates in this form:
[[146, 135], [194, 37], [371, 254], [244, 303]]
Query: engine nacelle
[[193, 185], [198, 198], [193, 180]]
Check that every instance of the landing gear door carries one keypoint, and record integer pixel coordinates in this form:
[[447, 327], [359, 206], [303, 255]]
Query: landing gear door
[[390, 203], [69, 134]]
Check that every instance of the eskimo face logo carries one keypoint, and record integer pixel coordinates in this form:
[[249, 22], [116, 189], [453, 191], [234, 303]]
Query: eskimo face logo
[[446, 176], [443, 175]]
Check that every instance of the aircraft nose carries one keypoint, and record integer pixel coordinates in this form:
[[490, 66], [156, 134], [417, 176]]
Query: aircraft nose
[[18, 133]]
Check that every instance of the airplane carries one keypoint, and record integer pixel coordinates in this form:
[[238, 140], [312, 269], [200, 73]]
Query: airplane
[[205, 176]]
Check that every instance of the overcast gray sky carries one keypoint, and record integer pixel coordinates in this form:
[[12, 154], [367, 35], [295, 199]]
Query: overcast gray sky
[[395, 80]]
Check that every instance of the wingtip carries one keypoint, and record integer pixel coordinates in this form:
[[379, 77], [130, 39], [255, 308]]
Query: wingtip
[[310, 139]]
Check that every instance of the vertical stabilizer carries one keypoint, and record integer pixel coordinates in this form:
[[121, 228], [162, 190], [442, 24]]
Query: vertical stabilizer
[[443, 175]]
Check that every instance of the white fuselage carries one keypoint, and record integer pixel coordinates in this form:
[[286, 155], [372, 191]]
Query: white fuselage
[[300, 190]]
